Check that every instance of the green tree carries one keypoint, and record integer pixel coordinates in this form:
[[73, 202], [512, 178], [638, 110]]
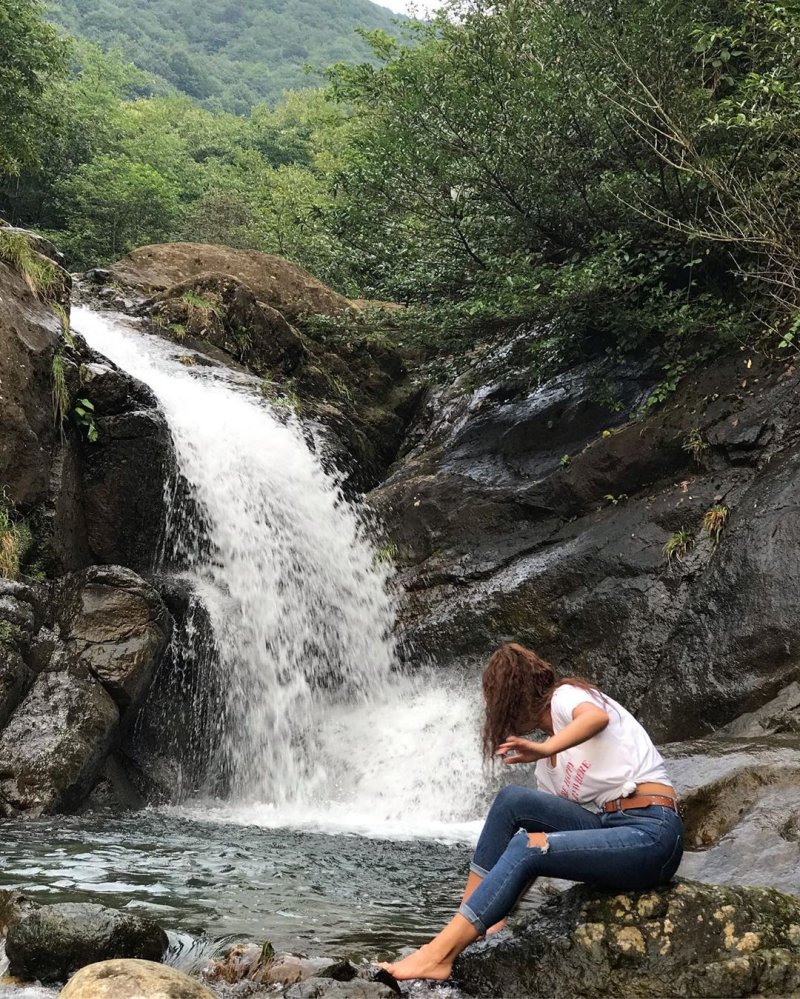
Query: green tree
[[31, 56], [113, 204]]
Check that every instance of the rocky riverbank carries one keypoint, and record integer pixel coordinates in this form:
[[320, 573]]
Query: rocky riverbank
[[686, 940]]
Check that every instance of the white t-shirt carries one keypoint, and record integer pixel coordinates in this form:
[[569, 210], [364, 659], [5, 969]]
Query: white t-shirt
[[607, 766]]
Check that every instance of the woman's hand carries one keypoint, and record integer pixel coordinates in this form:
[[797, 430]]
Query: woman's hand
[[517, 750]]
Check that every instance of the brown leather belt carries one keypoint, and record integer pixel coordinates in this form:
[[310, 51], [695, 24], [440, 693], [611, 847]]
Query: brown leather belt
[[640, 801]]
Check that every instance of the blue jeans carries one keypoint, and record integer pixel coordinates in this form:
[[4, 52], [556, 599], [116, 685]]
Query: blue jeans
[[634, 849]]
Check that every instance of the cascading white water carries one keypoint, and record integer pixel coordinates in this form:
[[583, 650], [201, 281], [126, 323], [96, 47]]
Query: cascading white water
[[318, 728]]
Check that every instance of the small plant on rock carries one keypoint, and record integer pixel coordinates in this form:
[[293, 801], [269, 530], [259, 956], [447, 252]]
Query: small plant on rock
[[201, 313], [678, 545], [281, 396], [387, 553], [714, 521], [565, 460], [695, 445], [59, 390], [15, 540], [83, 414]]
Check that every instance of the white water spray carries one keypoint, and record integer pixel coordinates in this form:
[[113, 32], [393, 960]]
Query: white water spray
[[318, 729]]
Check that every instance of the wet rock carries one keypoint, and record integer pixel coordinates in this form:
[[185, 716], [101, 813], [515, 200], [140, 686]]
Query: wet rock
[[55, 743], [114, 624], [123, 473], [19, 608], [687, 940], [781, 714], [15, 680], [249, 962], [327, 988], [14, 906], [97, 275], [740, 799], [180, 717], [274, 281], [541, 515], [76, 658], [53, 942], [132, 979]]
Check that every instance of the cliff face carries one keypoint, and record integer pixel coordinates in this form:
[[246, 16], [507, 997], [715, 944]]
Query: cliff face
[[78, 649], [542, 516]]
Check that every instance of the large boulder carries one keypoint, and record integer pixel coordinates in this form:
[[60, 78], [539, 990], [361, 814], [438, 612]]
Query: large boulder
[[54, 746], [53, 942], [72, 675], [741, 809], [116, 625], [132, 979], [274, 281], [220, 310], [688, 940], [541, 515], [316, 352]]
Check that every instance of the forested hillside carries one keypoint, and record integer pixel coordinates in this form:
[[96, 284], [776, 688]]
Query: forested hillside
[[625, 184], [229, 55]]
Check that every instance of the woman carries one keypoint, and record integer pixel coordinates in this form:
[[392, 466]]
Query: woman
[[605, 812]]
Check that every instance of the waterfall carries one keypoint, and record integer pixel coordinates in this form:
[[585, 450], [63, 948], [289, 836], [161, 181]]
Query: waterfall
[[317, 727]]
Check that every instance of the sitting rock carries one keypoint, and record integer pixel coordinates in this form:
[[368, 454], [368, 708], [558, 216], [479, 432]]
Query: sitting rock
[[53, 942], [686, 940], [132, 979]]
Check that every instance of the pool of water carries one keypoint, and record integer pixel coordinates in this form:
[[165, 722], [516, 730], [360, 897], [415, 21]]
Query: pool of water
[[318, 893]]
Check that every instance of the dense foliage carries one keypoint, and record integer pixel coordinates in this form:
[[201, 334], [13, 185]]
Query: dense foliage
[[228, 55], [623, 172], [617, 175]]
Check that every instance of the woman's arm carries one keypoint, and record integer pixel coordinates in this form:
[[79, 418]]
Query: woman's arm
[[588, 720]]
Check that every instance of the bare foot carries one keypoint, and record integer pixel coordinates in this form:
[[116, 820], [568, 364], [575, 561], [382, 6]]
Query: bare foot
[[497, 927], [421, 964]]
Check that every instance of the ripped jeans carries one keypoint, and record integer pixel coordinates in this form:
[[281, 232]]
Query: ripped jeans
[[634, 849]]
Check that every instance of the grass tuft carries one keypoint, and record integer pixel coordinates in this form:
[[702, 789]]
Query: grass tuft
[[59, 392], [695, 445], [678, 545], [15, 542], [40, 274], [714, 521]]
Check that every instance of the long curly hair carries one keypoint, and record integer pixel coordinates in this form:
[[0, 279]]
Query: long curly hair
[[518, 686]]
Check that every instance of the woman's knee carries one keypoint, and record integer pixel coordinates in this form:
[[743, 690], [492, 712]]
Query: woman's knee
[[516, 800]]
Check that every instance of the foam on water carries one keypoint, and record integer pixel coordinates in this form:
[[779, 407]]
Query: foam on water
[[319, 729]]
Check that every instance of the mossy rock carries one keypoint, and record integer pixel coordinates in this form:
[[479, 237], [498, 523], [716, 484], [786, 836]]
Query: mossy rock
[[688, 939]]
